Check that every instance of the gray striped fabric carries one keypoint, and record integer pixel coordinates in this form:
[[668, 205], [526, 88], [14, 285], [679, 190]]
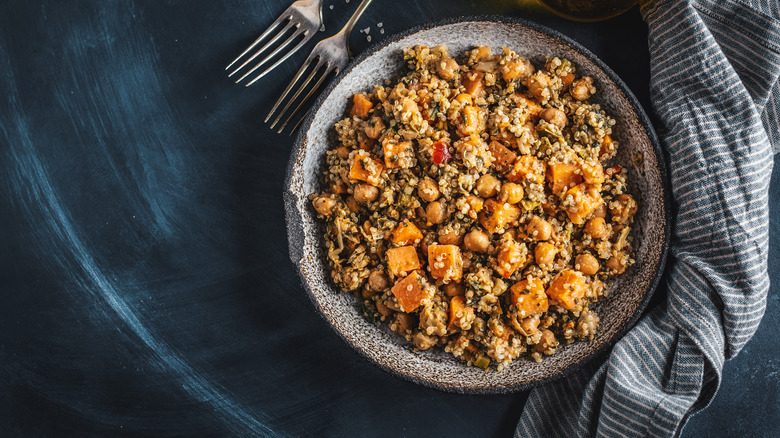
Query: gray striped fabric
[[714, 86]]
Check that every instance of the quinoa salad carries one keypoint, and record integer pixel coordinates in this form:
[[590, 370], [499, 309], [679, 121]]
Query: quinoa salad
[[470, 205]]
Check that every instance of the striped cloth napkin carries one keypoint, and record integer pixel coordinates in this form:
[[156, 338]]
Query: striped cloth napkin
[[714, 87]]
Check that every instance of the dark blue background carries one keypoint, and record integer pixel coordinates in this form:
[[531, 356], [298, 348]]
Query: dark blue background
[[146, 287]]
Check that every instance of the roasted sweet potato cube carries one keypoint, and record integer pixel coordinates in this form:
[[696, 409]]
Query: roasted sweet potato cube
[[360, 106], [522, 102], [567, 289], [503, 156], [458, 310], [398, 155], [592, 173], [511, 256], [473, 120], [445, 262], [563, 176], [607, 148], [364, 167], [402, 260], [528, 167], [528, 297], [406, 233], [473, 83], [410, 291], [585, 199], [496, 216]]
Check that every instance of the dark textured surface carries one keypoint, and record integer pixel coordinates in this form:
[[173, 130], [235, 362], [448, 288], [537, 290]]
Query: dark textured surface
[[146, 285]]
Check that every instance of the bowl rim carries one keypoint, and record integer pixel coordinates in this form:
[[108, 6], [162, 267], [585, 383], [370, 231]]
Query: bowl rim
[[295, 228]]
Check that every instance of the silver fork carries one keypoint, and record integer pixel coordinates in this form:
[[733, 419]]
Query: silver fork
[[304, 17], [329, 55]]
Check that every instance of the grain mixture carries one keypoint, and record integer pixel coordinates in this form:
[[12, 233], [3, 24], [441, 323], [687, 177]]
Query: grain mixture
[[468, 205]]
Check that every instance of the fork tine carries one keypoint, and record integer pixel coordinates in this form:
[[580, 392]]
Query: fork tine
[[305, 83], [328, 70], [298, 32], [265, 47], [297, 76], [286, 16], [283, 58]]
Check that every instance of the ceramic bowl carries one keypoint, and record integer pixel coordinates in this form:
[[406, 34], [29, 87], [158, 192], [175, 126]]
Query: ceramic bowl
[[639, 153]]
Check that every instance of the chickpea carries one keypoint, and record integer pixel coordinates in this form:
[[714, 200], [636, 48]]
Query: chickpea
[[324, 205], [555, 116], [447, 67], [545, 254], [450, 236], [581, 88], [378, 281], [513, 68], [511, 193], [529, 324], [477, 241], [453, 289], [428, 190], [365, 193], [539, 228], [587, 264], [596, 227], [537, 85], [488, 186], [546, 342], [623, 208], [342, 152], [352, 204], [436, 212], [404, 322], [383, 309], [614, 263], [601, 211]]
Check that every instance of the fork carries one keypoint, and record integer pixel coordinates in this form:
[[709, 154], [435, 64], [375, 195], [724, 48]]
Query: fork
[[330, 54], [304, 17]]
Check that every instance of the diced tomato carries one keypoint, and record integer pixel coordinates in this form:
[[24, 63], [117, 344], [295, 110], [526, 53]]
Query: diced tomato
[[441, 153]]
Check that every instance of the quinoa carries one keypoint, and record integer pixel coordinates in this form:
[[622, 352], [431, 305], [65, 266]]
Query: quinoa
[[469, 206]]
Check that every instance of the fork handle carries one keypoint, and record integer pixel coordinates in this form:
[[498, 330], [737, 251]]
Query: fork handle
[[352, 20]]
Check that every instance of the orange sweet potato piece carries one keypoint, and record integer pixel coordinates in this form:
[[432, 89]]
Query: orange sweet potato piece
[[567, 80], [511, 256], [522, 102], [472, 81], [402, 260], [563, 176], [586, 199], [406, 233], [445, 262], [398, 154], [458, 309], [473, 120], [528, 167], [360, 106], [497, 216], [607, 147], [364, 167], [529, 297], [409, 292], [593, 174], [504, 157], [567, 289]]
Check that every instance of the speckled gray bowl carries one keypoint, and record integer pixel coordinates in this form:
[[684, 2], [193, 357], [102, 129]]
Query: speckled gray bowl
[[639, 152]]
